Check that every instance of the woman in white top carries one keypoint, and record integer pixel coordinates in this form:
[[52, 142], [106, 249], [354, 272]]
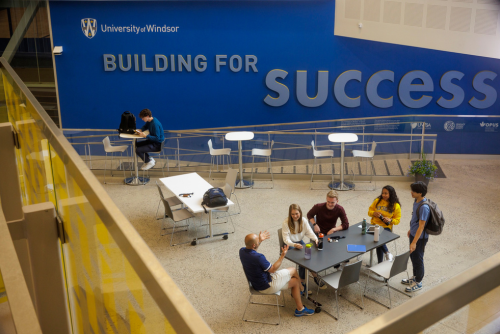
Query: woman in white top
[[294, 229]]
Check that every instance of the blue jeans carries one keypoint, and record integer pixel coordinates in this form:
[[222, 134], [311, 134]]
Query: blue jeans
[[417, 258], [142, 147], [382, 249], [302, 270]]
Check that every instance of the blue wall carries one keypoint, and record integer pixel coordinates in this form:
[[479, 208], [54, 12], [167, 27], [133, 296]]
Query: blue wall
[[290, 36]]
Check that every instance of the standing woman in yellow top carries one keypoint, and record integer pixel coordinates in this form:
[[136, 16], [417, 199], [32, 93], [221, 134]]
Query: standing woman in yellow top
[[386, 212]]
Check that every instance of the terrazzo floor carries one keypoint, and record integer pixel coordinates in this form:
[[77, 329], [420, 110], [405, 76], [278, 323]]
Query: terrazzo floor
[[211, 276]]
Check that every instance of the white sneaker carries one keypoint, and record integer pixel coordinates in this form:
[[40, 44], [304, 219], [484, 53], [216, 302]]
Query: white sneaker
[[389, 257], [149, 165]]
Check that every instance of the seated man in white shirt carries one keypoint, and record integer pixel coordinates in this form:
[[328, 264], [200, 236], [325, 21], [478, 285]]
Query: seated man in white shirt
[[294, 229]]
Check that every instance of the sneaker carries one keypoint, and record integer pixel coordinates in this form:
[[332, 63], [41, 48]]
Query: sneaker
[[305, 311], [408, 282], [302, 292], [415, 286], [149, 165], [388, 257], [320, 283]]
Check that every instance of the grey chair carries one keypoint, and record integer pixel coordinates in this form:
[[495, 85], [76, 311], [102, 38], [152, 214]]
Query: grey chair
[[254, 292], [231, 176], [387, 270], [340, 279], [172, 201], [227, 192], [176, 216], [264, 153]]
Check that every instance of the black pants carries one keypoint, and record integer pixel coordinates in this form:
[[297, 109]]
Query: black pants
[[143, 147], [417, 258], [382, 249]]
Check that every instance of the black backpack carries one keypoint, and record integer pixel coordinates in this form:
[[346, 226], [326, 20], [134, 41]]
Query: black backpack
[[214, 197], [435, 222], [127, 124]]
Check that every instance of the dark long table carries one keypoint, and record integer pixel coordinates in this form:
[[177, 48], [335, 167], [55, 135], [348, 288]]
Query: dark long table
[[334, 253]]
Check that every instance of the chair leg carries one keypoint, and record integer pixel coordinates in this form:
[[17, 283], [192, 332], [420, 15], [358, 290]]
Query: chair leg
[[312, 172], [105, 161], [271, 169], [389, 292], [211, 164], [337, 301], [278, 306], [253, 165], [263, 322]]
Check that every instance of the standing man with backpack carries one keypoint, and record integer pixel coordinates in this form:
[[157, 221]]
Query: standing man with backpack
[[153, 140], [417, 234]]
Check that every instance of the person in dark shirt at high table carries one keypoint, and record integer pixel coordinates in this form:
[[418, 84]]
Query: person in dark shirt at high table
[[324, 216], [153, 140]]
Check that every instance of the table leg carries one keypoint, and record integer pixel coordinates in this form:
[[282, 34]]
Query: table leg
[[241, 184], [341, 185], [136, 180], [210, 223]]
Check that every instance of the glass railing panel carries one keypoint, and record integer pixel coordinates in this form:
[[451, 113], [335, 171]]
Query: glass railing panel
[[32, 153], [105, 291], [480, 316]]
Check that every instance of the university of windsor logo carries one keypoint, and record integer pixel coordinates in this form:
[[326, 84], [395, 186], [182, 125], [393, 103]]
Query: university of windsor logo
[[89, 27]]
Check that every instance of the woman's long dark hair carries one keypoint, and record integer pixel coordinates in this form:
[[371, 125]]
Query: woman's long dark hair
[[393, 198]]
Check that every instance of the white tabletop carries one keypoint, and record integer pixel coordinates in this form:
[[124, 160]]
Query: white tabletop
[[190, 183], [126, 135], [239, 135], [343, 137]]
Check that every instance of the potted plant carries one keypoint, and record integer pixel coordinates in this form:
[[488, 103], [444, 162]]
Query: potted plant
[[423, 169]]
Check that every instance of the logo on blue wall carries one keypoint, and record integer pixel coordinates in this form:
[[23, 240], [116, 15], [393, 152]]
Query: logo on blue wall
[[89, 27]]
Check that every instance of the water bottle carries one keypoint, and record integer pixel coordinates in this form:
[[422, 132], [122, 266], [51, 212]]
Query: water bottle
[[363, 227], [308, 251], [320, 241], [376, 233]]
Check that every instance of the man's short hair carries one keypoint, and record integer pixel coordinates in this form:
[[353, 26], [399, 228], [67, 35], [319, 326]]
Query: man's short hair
[[419, 188], [145, 113], [333, 194]]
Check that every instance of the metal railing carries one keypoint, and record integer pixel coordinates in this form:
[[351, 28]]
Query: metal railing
[[426, 309]]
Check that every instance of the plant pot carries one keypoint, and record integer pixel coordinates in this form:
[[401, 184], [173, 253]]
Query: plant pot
[[420, 177]]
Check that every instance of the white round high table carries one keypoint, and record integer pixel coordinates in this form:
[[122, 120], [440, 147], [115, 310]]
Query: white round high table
[[135, 180], [342, 138], [239, 136]]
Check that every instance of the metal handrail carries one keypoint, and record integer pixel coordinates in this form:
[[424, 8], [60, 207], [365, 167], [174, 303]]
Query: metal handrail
[[426, 309], [19, 299], [168, 297]]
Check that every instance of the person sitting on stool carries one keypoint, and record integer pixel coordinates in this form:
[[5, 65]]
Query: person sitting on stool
[[265, 277], [153, 139]]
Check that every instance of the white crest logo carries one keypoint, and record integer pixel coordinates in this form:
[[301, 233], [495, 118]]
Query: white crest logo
[[89, 27], [449, 125]]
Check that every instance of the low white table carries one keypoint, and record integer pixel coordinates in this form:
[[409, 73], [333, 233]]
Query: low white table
[[193, 183], [136, 180], [342, 138], [239, 136]]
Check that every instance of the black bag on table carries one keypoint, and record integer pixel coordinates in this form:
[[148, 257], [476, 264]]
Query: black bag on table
[[127, 124], [213, 198]]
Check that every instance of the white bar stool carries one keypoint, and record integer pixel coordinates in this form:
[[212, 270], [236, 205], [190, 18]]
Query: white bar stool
[[108, 148], [320, 154], [216, 153], [266, 153], [365, 154]]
